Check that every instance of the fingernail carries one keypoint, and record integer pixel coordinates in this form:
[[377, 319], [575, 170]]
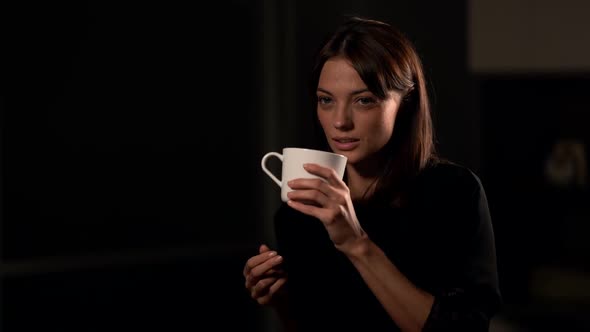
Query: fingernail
[[278, 258], [272, 253]]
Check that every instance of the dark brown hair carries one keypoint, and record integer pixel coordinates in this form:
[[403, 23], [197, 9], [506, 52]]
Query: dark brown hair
[[386, 60]]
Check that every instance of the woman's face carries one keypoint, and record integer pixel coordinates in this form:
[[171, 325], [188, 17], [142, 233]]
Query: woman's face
[[356, 123]]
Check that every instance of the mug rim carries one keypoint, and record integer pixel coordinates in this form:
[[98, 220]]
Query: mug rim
[[315, 150]]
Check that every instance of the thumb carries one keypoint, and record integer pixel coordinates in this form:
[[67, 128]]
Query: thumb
[[263, 248]]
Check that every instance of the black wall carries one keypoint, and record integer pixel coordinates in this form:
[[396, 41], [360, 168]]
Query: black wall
[[130, 165]]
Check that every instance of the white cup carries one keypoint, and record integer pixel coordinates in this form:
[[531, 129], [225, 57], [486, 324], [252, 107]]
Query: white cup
[[292, 168]]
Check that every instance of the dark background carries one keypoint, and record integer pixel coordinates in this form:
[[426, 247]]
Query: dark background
[[132, 134]]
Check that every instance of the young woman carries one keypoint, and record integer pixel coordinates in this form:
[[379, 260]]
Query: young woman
[[405, 241]]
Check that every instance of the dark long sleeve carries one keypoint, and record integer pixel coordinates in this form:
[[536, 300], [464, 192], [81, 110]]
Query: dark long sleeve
[[468, 295]]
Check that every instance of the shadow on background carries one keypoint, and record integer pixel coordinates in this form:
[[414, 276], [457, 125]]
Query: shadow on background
[[127, 127], [536, 170]]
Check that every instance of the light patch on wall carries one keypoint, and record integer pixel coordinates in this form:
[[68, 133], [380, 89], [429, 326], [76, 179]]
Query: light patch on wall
[[529, 35]]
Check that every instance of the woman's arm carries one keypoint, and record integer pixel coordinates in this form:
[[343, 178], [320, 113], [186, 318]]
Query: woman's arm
[[405, 303]]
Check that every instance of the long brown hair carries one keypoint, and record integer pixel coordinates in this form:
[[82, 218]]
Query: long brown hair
[[386, 60]]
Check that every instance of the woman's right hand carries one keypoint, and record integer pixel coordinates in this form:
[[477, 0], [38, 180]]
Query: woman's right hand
[[264, 275]]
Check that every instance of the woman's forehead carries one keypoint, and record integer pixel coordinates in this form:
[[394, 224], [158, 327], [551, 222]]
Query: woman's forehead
[[338, 73]]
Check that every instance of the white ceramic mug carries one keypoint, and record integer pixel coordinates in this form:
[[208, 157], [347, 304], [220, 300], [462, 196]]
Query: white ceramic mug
[[292, 168]]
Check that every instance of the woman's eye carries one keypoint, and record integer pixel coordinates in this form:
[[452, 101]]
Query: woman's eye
[[324, 100], [366, 101]]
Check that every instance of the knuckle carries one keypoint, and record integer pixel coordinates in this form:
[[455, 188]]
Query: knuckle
[[333, 174], [261, 285], [334, 213], [329, 217], [316, 195], [268, 282], [341, 200], [257, 273]]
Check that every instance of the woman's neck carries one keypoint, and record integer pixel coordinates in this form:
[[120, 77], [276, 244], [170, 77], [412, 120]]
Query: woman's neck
[[360, 182], [362, 177]]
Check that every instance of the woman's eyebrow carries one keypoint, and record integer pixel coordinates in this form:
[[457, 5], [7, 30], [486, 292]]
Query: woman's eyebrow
[[355, 92]]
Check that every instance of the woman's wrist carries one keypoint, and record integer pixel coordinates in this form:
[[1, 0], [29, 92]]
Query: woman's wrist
[[358, 249]]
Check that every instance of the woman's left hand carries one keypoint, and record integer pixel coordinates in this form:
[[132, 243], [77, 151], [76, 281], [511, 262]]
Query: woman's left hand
[[330, 202]]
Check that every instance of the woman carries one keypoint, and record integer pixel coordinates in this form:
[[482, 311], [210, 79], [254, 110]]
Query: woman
[[405, 241]]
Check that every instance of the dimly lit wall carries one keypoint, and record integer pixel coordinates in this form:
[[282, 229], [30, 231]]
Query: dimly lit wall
[[133, 132], [131, 144], [531, 73]]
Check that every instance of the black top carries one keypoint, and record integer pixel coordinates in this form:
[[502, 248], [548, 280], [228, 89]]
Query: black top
[[442, 240]]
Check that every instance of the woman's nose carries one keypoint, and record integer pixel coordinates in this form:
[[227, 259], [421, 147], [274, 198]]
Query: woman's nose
[[343, 119]]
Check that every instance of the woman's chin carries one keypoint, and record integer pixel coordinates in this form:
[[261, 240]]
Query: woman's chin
[[351, 156]]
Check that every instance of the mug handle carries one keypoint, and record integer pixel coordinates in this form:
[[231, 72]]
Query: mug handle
[[269, 173]]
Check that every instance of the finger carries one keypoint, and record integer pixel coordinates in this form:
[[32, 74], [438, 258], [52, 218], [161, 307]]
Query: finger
[[274, 288], [312, 197], [263, 248], [317, 184], [257, 260], [264, 300], [329, 174], [261, 269], [325, 215], [310, 210], [273, 272], [262, 287], [277, 285]]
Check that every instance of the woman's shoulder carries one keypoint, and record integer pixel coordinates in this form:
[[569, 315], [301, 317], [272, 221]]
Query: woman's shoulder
[[452, 192], [448, 177]]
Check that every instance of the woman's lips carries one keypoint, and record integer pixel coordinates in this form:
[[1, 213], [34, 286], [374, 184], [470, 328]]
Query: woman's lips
[[345, 144]]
